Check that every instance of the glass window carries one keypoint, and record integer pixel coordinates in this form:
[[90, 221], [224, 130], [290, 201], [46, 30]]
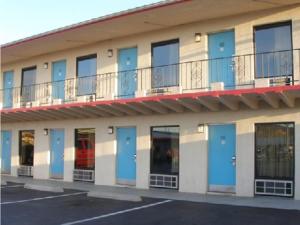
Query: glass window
[[273, 46], [85, 149], [86, 73], [165, 67], [26, 147], [165, 150], [274, 151], [28, 84]]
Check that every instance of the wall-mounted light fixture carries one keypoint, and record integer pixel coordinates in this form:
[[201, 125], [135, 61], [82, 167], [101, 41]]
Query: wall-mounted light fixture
[[110, 130], [46, 131], [200, 128], [45, 65], [197, 37], [110, 53]]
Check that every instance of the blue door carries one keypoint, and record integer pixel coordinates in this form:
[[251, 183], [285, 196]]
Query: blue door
[[8, 78], [221, 158], [57, 146], [127, 64], [221, 47], [126, 155], [5, 151], [58, 79]]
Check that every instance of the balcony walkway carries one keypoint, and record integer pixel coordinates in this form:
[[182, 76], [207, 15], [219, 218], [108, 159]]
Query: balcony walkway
[[234, 100]]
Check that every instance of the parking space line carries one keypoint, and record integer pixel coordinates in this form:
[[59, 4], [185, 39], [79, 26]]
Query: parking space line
[[12, 186], [38, 199], [117, 213]]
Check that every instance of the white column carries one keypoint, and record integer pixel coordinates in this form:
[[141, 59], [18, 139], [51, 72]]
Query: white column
[[69, 154], [41, 158], [193, 158], [105, 157], [143, 156], [14, 152], [245, 158]]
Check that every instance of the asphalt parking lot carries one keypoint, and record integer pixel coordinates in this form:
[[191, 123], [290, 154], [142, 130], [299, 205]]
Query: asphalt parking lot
[[24, 206]]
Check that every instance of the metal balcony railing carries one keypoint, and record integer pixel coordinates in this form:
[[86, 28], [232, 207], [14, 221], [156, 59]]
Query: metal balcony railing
[[279, 68]]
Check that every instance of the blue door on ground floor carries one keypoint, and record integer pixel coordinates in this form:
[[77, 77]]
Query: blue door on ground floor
[[57, 140], [126, 155], [58, 79], [221, 158], [221, 48], [127, 64], [5, 151]]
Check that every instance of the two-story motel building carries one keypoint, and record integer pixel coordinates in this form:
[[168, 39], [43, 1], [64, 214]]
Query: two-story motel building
[[178, 94]]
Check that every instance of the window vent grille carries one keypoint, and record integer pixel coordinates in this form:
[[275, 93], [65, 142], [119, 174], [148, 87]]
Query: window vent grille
[[25, 171], [164, 181], [274, 187], [84, 175]]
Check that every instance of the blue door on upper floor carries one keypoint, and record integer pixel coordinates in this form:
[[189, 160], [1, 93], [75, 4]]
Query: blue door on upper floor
[[127, 65], [58, 79], [8, 82], [126, 155], [221, 158], [57, 146], [5, 151], [221, 48]]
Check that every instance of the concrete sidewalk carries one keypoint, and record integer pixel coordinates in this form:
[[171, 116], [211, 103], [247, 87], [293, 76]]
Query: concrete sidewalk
[[133, 194]]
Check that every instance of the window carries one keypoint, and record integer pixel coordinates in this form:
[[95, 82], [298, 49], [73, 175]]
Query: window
[[28, 84], [165, 150], [274, 151], [85, 149], [273, 46], [86, 73], [26, 147], [165, 67]]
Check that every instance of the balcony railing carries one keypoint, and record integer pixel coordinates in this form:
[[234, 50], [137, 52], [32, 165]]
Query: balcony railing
[[243, 71]]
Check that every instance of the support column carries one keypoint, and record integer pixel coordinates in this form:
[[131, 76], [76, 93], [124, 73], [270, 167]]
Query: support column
[[105, 156], [14, 152], [69, 154], [41, 158], [245, 132], [143, 156], [193, 157]]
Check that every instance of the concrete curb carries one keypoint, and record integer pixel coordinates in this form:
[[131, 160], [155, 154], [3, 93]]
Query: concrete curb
[[115, 196], [3, 182], [44, 188]]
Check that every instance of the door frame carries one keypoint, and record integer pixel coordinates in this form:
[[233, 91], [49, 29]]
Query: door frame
[[12, 88], [52, 74], [116, 159], [208, 149], [11, 134], [117, 67], [50, 158], [232, 29]]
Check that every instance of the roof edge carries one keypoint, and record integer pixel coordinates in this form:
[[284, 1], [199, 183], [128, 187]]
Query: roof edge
[[104, 18]]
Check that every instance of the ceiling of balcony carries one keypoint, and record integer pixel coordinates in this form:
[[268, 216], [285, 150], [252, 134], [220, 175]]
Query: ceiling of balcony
[[143, 19], [214, 101]]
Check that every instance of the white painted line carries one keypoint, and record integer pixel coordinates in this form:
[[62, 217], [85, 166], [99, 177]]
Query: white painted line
[[12, 186], [117, 213], [38, 199]]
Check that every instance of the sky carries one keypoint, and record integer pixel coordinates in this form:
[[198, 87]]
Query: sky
[[24, 18]]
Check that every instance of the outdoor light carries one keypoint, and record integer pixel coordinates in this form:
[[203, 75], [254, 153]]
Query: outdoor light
[[46, 132], [197, 37], [200, 128], [110, 53], [45, 65], [110, 130]]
